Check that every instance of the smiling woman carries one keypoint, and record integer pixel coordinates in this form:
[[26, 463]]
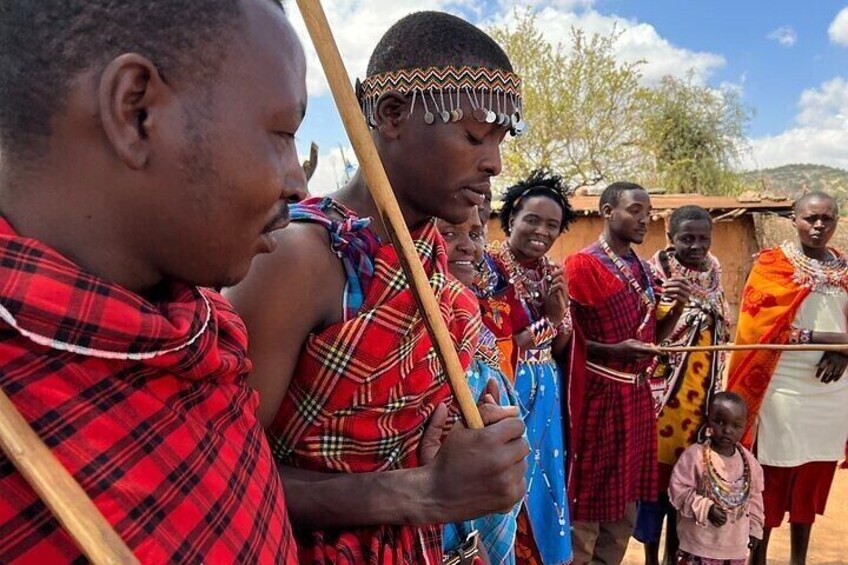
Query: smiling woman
[[534, 213]]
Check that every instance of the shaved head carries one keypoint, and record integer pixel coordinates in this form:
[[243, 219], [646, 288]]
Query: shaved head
[[729, 398], [817, 196]]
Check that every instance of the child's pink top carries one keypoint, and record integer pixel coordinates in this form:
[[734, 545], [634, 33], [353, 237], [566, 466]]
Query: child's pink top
[[697, 535]]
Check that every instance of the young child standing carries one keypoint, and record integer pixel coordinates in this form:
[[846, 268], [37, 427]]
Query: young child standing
[[717, 489]]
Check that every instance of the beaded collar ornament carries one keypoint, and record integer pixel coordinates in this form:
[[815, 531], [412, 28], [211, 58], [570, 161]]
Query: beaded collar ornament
[[485, 280], [530, 282], [706, 284], [494, 94], [826, 277], [730, 494]]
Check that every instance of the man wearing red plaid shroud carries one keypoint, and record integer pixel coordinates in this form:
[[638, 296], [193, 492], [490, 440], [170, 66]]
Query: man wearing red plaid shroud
[[146, 152], [352, 392], [613, 423]]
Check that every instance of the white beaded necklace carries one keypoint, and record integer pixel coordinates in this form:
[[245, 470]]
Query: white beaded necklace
[[825, 277]]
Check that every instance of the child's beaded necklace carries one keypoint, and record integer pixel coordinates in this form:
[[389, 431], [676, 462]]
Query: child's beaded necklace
[[730, 495]]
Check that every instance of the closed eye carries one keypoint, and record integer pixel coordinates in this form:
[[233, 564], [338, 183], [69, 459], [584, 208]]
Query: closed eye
[[473, 140]]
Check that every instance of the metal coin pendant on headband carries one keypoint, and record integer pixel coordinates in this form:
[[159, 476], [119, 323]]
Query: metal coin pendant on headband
[[429, 118], [456, 111], [503, 119], [491, 117], [444, 114], [479, 113]]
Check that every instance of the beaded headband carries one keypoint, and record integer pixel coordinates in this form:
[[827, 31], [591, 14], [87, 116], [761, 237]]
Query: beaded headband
[[494, 94]]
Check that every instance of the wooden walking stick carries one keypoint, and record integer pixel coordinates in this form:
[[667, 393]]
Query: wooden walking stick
[[58, 489], [754, 347], [384, 198]]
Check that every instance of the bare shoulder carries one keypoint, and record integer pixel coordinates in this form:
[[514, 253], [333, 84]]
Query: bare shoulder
[[303, 275], [303, 248]]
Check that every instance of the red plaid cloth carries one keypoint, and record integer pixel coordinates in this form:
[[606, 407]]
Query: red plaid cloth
[[145, 403], [362, 394], [614, 459]]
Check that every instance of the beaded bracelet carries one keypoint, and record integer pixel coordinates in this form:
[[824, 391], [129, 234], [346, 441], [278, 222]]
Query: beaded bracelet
[[465, 553], [798, 335], [566, 326], [542, 332]]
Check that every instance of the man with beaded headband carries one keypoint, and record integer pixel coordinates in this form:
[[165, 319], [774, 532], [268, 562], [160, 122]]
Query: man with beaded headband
[[613, 441], [353, 397], [796, 293], [684, 383]]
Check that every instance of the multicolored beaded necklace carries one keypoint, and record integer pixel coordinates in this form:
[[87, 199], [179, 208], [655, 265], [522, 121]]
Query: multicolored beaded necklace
[[644, 290], [706, 284], [530, 283], [730, 495], [488, 351], [825, 277]]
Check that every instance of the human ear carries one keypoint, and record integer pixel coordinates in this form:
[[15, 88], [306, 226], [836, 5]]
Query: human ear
[[391, 113], [129, 92]]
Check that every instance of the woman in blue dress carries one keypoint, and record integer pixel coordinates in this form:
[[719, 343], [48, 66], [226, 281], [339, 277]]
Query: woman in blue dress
[[534, 214]]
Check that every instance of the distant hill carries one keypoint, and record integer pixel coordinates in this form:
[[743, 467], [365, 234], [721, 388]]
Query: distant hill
[[793, 180]]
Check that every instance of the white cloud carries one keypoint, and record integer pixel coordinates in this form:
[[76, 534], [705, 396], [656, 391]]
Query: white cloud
[[564, 5], [784, 35], [734, 87], [820, 135], [838, 30], [638, 41], [359, 24], [331, 174]]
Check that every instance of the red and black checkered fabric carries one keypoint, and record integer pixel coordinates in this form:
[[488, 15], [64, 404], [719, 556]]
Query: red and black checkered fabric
[[145, 403], [362, 394], [614, 461]]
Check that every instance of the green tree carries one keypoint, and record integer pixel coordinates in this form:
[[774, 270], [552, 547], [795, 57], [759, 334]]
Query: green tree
[[695, 136], [592, 120], [582, 106]]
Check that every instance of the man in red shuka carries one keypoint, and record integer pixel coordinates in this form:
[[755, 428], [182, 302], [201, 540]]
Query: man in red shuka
[[147, 151]]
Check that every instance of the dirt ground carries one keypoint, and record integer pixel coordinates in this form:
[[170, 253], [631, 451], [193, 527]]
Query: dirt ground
[[829, 543]]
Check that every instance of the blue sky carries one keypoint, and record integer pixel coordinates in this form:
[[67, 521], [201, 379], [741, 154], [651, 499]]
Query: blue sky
[[775, 74], [788, 59]]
